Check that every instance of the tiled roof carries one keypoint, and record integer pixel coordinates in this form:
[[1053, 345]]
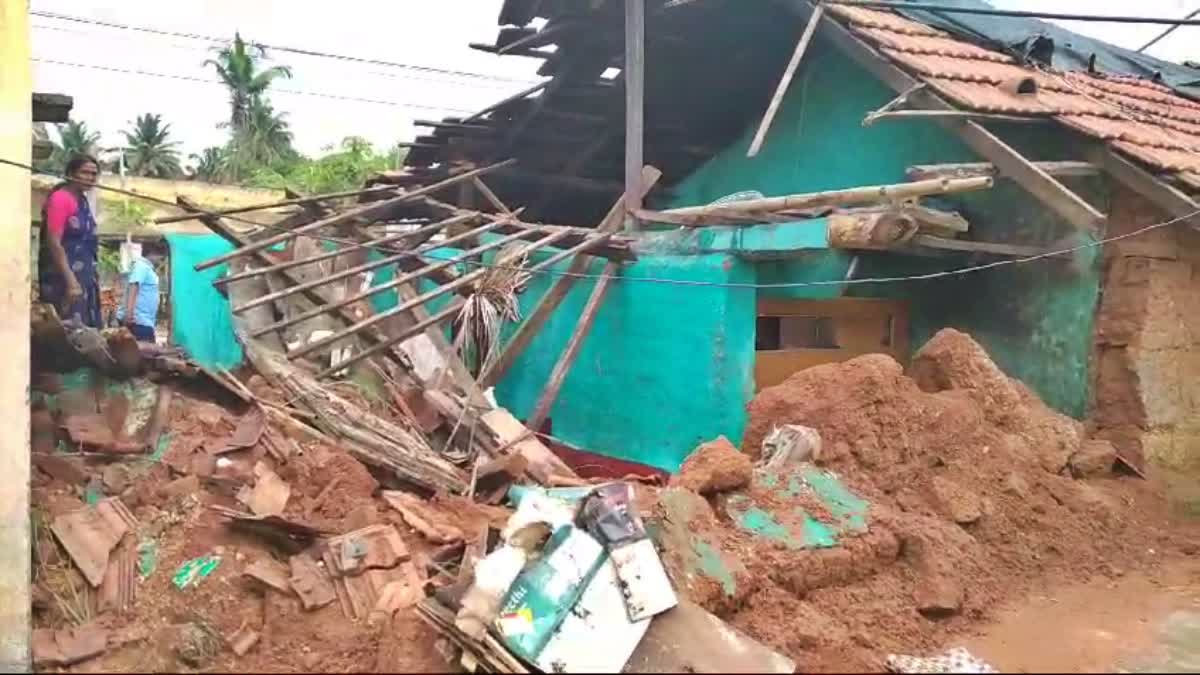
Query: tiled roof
[[1142, 119]]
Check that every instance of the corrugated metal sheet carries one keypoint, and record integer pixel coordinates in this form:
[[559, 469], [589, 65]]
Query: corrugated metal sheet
[[1141, 118]]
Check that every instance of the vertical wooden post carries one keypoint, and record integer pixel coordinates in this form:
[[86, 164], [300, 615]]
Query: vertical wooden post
[[635, 90], [16, 119]]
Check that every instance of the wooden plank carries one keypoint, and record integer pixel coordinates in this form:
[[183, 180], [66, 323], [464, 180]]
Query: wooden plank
[[1165, 196], [697, 216], [367, 212], [290, 201], [511, 99], [951, 114], [557, 292], [491, 197], [786, 81], [994, 248], [688, 639], [571, 352], [973, 169], [1048, 190], [634, 73]]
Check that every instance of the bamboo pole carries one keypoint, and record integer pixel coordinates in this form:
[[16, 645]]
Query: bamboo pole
[[309, 348], [456, 305], [696, 215], [365, 211], [432, 228], [365, 267]]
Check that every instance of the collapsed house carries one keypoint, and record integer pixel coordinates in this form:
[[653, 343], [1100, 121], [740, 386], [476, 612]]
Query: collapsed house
[[485, 328]]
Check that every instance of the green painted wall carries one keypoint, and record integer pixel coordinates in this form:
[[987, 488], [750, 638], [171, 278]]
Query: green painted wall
[[664, 368]]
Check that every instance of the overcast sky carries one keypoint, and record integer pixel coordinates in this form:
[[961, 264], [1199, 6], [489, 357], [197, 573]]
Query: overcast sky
[[424, 33]]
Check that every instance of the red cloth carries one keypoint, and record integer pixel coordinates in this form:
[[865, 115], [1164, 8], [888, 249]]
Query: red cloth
[[60, 208]]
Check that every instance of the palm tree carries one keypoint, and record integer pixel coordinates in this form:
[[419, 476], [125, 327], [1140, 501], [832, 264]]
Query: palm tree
[[264, 142], [73, 138], [238, 67], [209, 165], [147, 150]]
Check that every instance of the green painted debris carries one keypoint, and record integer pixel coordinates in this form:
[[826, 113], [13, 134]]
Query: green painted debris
[[844, 505], [757, 521], [848, 511], [712, 565], [94, 491], [160, 449], [147, 552], [192, 571]]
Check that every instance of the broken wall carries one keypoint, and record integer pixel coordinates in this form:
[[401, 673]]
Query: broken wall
[[664, 368], [1147, 385]]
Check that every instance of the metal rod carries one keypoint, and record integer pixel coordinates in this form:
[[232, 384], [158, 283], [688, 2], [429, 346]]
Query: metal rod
[[1165, 33], [454, 307], [413, 302], [365, 267], [951, 9], [373, 243], [403, 279], [362, 211]]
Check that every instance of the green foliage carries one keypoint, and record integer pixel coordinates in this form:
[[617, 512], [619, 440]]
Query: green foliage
[[209, 165], [148, 152], [239, 67], [109, 260], [74, 138], [125, 215], [345, 168]]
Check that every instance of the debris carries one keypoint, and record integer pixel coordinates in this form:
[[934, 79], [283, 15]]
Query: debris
[[359, 595], [247, 434], [487, 650], [493, 576], [118, 590], [197, 644], [94, 433], [243, 640], [270, 573], [91, 533], [597, 636], [790, 443], [938, 596], [192, 571], [687, 639], [957, 660], [270, 493], [962, 506], [509, 432], [373, 547], [291, 537], [643, 580], [310, 582], [493, 478], [715, 467], [395, 596], [544, 593], [147, 552], [1094, 458], [66, 469], [418, 516], [67, 646], [181, 487], [115, 478]]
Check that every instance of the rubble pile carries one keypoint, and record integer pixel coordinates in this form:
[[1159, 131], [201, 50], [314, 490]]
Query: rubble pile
[[934, 496]]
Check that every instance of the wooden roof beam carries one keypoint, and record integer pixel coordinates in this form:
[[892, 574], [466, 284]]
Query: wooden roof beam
[[1056, 196], [1165, 196], [1068, 169]]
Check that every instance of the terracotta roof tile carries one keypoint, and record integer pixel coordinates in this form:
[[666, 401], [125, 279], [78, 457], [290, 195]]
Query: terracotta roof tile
[[970, 70], [1161, 158], [869, 18], [1131, 132], [1191, 179], [929, 44], [985, 97]]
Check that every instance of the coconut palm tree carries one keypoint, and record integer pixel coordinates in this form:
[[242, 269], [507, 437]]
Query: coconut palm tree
[[148, 152], [238, 66], [209, 165], [264, 143], [73, 138]]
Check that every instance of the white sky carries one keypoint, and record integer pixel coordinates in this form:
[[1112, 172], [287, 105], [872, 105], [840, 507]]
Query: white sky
[[432, 33]]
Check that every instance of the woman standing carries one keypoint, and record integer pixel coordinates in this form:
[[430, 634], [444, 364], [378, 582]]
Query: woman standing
[[68, 275]]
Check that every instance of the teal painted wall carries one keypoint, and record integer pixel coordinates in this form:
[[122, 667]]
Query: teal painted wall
[[664, 368]]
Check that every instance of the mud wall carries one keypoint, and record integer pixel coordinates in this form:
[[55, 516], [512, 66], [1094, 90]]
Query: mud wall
[[1147, 384]]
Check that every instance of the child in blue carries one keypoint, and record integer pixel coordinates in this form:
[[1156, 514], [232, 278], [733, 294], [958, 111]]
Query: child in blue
[[139, 310]]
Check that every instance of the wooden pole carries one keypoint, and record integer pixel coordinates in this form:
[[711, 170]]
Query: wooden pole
[[704, 215], [635, 109], [571, 352], [290, 201], [365, 211], [558, 292], [786, 81]]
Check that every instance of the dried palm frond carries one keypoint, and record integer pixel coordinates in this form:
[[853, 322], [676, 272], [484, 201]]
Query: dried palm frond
[[492, 302]]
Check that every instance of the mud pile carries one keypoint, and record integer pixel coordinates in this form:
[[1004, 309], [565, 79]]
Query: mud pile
[[970, 503]]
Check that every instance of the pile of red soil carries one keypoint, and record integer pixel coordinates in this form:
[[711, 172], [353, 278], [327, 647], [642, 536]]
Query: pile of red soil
[[971, 504]]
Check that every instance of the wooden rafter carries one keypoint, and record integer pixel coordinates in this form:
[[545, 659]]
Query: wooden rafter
[[1170, 199]]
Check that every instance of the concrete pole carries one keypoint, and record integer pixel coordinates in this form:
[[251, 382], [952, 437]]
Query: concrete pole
[[16, 122]]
